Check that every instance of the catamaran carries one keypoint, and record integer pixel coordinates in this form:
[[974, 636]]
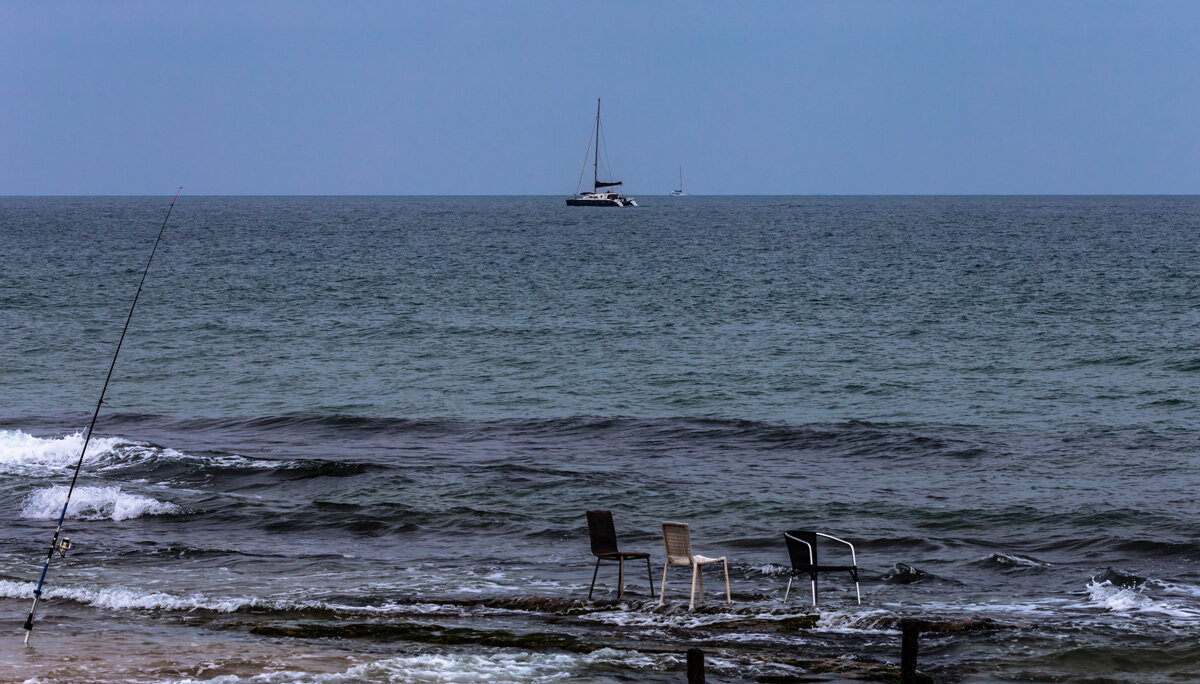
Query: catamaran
[[598, 198]]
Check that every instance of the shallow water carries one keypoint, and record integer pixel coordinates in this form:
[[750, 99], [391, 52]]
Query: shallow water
[[340, 411]]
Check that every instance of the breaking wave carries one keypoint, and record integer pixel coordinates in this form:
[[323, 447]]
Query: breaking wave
[[21, 452], [1120, 592], [124, 598], [24, 454], [93, 503]]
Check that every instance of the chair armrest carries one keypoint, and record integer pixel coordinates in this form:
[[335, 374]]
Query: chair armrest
[[810, 549], [853, 559]]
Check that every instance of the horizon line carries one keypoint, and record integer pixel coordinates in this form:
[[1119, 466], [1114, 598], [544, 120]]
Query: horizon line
[[930, 194]]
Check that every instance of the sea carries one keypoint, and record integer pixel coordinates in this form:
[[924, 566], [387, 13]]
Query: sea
[[354, 438]]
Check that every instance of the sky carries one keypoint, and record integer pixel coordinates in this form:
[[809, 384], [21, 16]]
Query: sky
[[497, 98]]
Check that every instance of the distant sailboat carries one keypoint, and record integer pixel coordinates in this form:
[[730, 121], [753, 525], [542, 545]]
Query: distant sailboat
[[679, 192], [596, 198]]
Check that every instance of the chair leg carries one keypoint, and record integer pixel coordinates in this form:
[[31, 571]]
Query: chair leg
[[650, 575], [700, 581], [814, 589], [788, 590], [594, 573], [728, 594], [620, 579], [662, 593], [858, 592], [695, 574]]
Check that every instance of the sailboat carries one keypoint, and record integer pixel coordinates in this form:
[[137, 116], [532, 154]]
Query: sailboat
[[679, 192], [598, 198]]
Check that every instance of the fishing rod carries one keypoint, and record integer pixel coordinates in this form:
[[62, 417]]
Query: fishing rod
[[63, 545]]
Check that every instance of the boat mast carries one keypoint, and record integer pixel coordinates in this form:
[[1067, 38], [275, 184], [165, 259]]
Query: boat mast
[[596, 160]]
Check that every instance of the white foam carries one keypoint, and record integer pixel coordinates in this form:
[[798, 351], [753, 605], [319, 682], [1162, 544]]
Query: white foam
[[455, 668], [93, 503], [124, 598], [22, 453], [1045, 607], [401, 608], [678, 616], [1011, 559], [855, 622], [1130, 600], [773, 570]]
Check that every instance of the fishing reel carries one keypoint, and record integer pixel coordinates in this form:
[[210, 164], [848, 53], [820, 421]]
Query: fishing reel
[[63, 546]]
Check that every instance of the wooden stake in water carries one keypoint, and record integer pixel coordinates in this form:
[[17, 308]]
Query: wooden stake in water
[[59, 543]]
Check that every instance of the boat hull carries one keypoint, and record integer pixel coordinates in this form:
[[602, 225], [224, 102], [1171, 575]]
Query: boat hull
[[581, 202]]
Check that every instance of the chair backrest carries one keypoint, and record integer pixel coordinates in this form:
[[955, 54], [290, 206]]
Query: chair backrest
[[677, 540], [602, 531], [803, 556]]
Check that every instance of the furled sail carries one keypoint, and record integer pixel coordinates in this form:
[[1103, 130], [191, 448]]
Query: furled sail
[[600, 184]]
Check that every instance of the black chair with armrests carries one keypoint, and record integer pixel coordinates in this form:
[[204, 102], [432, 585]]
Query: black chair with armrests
[[802, 548]]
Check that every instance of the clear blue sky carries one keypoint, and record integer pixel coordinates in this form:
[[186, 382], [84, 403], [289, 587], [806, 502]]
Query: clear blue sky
[[497, 98]]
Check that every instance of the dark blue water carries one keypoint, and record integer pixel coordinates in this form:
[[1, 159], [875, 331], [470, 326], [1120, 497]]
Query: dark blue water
[[336, 411]]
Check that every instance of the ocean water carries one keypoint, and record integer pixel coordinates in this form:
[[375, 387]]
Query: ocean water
[[353, 439]]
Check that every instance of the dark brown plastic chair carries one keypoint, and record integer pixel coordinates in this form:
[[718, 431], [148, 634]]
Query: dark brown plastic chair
[[604, 548], [802, 549]]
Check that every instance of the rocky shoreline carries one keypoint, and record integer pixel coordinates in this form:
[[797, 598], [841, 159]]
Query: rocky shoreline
[[561, 625]]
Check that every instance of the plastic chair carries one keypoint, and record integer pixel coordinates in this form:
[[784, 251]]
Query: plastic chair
[[802, 548], [604, 548], [678, 541]]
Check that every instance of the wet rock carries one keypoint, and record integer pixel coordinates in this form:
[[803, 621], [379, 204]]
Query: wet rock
[[791, 624], [836, 669], [547, 604], [903, 573], [945, 625], [428, 634], [1011, 561], [1119, 578]]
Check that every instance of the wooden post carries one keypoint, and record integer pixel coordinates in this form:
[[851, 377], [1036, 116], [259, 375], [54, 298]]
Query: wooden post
[[909, 631], [695, 666]]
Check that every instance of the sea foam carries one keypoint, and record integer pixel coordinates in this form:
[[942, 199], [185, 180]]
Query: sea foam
[[93, 503], [124, 598], [21, 452], [455, 668], [117, 597], [1128, 599]]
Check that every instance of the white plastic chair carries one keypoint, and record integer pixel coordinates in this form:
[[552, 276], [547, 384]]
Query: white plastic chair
[[678, 541]]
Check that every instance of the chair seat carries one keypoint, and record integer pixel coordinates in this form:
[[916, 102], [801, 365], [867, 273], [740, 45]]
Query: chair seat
[[697, 560], [623, 555]]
